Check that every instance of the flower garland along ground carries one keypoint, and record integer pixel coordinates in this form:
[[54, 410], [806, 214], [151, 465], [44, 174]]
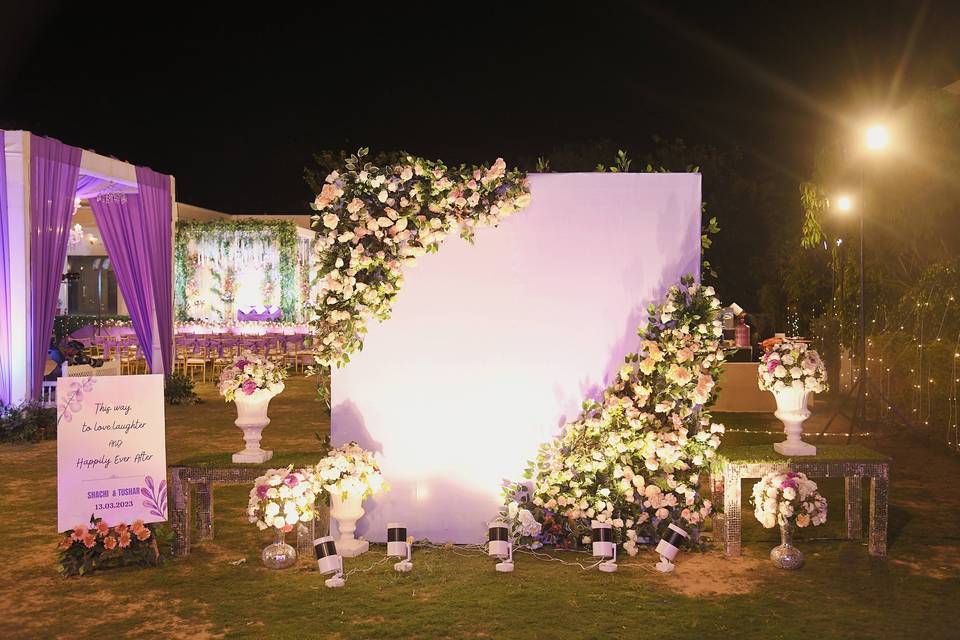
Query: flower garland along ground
[[636, 458], [373, 221]]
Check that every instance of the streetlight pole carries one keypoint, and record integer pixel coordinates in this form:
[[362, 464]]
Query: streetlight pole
[[859, 415]]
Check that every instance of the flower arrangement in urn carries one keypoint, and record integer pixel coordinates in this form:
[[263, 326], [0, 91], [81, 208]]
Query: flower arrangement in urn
[[350, 474], [280, 499], [791, 371], [250, 382], [788, 499]]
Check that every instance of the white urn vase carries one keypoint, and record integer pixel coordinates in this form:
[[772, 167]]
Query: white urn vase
[[346, 511], [252, 419], [792, 412]]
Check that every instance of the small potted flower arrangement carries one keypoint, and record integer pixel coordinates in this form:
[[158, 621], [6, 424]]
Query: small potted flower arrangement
[[791, 371], [101, 546], [349, 474], [250, 382], [279, 500], [788, 500]]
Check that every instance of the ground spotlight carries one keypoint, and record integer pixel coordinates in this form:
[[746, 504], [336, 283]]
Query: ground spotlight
[[668, 547], [399, 545], [329, 561], [603, 545], [499, 545]]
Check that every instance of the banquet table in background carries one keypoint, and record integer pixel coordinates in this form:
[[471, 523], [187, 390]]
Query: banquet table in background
[[204, 349]]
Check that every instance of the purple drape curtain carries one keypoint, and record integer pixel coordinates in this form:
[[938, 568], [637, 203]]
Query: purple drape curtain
[[54, 169], [157, 211], [120, 222], [5, 358]]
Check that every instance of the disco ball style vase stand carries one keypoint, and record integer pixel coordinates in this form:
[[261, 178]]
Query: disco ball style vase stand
[[792, 412], [252, 420], [786, 556], [346, 512]]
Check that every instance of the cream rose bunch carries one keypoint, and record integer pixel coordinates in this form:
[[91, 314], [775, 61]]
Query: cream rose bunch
[[780, 498], [281, 498], [249, 373], [349, 469], [792, 365]]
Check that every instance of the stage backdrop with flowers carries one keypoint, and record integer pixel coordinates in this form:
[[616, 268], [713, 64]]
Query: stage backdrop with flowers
[[229, 265], [491, 348]]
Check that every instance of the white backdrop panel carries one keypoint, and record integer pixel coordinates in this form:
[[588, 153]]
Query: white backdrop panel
[[492, 347]]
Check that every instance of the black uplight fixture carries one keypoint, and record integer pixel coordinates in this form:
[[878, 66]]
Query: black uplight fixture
[[398, 544]]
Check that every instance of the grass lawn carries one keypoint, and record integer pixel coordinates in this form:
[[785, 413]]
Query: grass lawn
[[455, 593]]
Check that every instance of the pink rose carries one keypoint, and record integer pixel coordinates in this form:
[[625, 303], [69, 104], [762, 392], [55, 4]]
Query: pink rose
[[249, 386], [355, 205]]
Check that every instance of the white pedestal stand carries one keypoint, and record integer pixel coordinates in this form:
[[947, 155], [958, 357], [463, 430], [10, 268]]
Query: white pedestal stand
[[252, 420], [792, 411], [347, 512]]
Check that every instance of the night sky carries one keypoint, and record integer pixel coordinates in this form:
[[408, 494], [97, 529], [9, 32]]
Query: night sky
[[233, 100]]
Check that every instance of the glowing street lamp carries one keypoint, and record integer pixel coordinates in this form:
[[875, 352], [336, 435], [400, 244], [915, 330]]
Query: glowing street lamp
[[877, 137]]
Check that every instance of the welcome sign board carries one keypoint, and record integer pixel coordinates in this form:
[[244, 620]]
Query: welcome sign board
[[111, 450]]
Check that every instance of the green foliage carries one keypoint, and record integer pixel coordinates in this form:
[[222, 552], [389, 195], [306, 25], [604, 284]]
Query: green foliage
[[284, 233], [178, 389], [27, 422], [917, 341]]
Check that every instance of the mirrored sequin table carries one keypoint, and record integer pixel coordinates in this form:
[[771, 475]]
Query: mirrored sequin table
[[853, 463], [192, 482]]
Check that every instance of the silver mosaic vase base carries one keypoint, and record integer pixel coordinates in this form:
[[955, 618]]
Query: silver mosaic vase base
[[786, 556], [279, 554]]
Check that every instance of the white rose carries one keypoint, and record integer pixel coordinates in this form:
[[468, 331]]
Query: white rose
[[272, 509]]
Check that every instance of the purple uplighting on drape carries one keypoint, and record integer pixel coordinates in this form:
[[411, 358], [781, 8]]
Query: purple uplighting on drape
[[5, 356], [121, 225], [157, 212], [54, 169]]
